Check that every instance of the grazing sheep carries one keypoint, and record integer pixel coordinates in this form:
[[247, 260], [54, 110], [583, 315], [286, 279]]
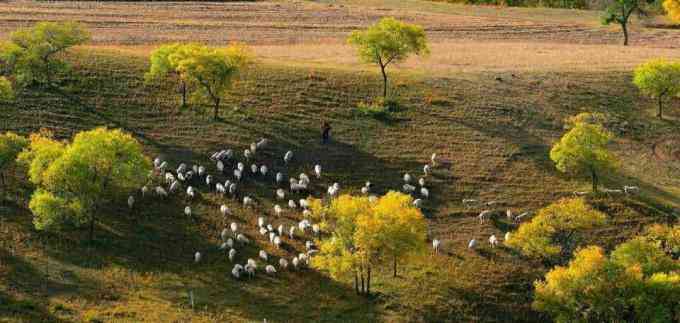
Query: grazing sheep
[[163, 166], [283, 263], [521, 217], [236, 271], [242, 239], [421, 182], [424, 192], [418, 203], [263, 231], [263, 255], [223, 246], [484, 216], [291, 232], [201, 171], [233, 227], [288, 157], [309, 245], [426, 170], [224, 234], [169, 178], [220, 189], [280, 194], [270, 228], [144, 190], [250, 268], [631, 189], [334, 189], [230, 243], [408, 188], [296, 262], [280, 229], [247, 154], [304, 179], [254, 169], [174, 186], [509, 215], [372, 198], [209, 180], [303, 225], [612, 191], [247, 201], [161, 191], [182, 168], [260, 222], [272, 236], [291, 204], [365, 190], [317, 171], [435, 245], [191, 192], [304, 259], [304, 204], [157, 162], [225, 210], [306, 213], [581, 193], [278, 210], [131, 201], [472, 244], [220, 166], [433, 160], [187, 210], [197, 257], [240, 166], [493, 241], [469, 202], [263, 170], [270, 269], [507, 237], [279, 177], [262, 143], [316, 229], [253, 147], [277, 242], [232, 254], [232, 188], [181, 177], [407, 178]]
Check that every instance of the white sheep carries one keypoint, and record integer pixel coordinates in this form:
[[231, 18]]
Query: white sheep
[[493, 241], [270, 228], [507, 237], [254, 169], [238, 174], [484, 216], [278, 210], [277, 242], [161, 191], [263, 255], [169, 178], [233, 227], [433, 159], [421, 182], [253, 147], [283, 263], [309, 245], [242, 238], [220, 166], [424, 192], [197, 257], [365, 190], [472, 244], [435, 245], [247, 154], [270, 269], [280, 229], [296, 262], [181, 177], [250, 269], [187, 210], [631, 189], [224, 234], [236, 271], [263, 231], [144, 190], [131, 201], [247, 201], [272, 236], [408, 188], [407, 178], [291, 204], [182, 168], [262, 143], [260, 221], [224, 210], [288, 157], [426, 170], [174, 186], [291, 232], [279, 177], [304, 179], [232, 254], [157, 162], [191, 192], [510, 215], [201, 171], [418, 203], [317, 171], [263, 170], [240, 166], [304, 203], [280, 194], [209, 180], [306, 213], [232, 188], [521, 217]]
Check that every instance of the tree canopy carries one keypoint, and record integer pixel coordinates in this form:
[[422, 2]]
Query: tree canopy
[[211, 71], [672, 8], [11, 145], [658, 79], [389, 41], [638, 282], [75, 179], [364, 234], [583, 150], [31, 53], [619, 11], [553, 233]]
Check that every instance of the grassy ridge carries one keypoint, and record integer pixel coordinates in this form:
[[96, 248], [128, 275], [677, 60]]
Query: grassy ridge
[[495, 134]]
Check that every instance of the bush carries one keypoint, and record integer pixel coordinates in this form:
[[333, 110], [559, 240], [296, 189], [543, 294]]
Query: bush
[[377, 109]]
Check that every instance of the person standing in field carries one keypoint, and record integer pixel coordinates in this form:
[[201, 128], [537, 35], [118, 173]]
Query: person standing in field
[[325, 132]]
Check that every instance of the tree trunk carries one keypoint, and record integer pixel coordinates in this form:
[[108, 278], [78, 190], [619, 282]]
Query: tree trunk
[[216, 110], [184, 93], [659, 113], [594, 178], [356, 282], [382, 69], [363, 287], [368, 281], [624, 27], [92, 221], [395, 267]]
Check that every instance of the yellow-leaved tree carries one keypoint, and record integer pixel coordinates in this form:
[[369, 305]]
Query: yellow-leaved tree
[[11, 145], [672, 9], [553, 233], [638, 282], [365, 234]]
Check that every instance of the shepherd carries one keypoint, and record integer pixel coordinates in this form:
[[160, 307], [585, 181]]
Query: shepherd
[[326, 132]]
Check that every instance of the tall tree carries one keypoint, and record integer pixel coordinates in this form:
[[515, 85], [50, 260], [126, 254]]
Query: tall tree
[[33, 53], [211, 70], [164, 64], [583, 150], [389, 41], [366, 234], [658, 79], [76, 179], [672, 8], [552, 234], [11, 145], [619, 11]]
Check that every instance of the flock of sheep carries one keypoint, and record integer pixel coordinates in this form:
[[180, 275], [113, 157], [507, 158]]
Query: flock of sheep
[[189, 179]]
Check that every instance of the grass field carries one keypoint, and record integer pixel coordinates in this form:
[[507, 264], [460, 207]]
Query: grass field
[[494, 133]]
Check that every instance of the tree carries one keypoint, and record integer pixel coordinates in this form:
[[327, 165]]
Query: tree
[[637, 283], [619, 11], [365, 234], [672, 9], [76, 179], [211, 70], [553, 233], [32, 53], [6, 91], [583, 150], [11, 145], [164, 64], [389, 41], [658, 79]]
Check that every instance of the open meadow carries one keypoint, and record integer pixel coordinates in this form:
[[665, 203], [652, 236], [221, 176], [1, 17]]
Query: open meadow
[[490, 100]]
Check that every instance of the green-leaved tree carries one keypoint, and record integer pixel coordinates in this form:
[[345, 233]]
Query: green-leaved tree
[[75, 180], [619, 11], [583, 150], [659, 79], [164, 65], [389, 41], [11, 145], [32, 54]]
